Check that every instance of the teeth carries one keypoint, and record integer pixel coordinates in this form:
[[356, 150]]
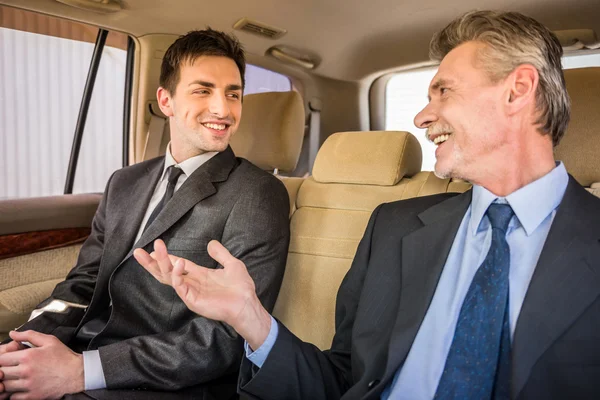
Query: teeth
[[218, 127], [441, 139]]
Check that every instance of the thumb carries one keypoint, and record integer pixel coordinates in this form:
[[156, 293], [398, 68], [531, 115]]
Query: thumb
[[35, 338], [220, 254]]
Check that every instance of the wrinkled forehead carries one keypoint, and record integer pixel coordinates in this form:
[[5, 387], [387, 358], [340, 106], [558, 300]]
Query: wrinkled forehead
[[458, 65]]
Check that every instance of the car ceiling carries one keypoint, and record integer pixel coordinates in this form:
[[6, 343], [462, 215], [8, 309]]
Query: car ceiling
[[354, 39]]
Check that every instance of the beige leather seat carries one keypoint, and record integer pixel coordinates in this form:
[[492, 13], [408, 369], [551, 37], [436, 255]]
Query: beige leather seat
[[270, 134], [353, 173], [580, 148]]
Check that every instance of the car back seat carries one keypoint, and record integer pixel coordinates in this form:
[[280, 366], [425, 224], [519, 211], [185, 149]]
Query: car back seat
[[270, 134], [580, 148], [353, 173]]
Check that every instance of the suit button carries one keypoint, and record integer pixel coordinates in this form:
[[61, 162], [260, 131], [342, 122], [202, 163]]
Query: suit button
[[373, 383]]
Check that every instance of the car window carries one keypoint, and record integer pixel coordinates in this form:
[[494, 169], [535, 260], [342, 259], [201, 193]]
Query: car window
[[44, 64], [259, 80]]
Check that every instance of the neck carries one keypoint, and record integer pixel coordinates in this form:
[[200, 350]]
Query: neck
[[518, 166], [180, 152]]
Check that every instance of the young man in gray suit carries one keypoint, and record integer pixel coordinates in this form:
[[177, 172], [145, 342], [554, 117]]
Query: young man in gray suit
[[133, 332], [493, 293]]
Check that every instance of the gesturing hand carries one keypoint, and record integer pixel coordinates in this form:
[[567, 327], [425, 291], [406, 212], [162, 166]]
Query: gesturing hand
[[226, 294], [47, 371]]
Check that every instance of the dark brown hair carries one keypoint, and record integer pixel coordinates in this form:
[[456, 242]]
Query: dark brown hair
[[194, 44]]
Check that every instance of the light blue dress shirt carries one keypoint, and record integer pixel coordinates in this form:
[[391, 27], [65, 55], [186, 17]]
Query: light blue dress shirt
[[93, 374], [534, 206]]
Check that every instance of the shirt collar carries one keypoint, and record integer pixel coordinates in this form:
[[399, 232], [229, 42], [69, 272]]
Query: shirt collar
[[531, 204], [188, 166]]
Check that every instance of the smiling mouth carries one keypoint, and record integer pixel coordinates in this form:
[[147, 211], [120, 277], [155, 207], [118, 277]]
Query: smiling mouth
[[441, 138], [216, 127]]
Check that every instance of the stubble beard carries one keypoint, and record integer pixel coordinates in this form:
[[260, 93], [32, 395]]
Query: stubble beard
[[451, 171]]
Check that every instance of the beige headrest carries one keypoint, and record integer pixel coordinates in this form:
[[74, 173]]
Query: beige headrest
[[371, 158], [580, 147], [271, 130]]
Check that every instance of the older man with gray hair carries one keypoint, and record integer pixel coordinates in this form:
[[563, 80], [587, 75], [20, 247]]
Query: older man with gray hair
[[490, 294]]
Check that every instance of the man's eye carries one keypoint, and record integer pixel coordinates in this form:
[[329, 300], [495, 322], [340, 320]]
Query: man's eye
[[234, 95], [443, 90]]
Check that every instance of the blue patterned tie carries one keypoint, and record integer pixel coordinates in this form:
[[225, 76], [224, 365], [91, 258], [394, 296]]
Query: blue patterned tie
[[478, 363]]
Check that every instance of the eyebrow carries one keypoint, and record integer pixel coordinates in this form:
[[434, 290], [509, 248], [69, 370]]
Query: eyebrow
[[439, 83], [212, 85]]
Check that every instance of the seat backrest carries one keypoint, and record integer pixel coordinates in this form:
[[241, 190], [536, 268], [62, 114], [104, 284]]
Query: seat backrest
[[270, 134], [353, 173], [271, 130], [580, 147]]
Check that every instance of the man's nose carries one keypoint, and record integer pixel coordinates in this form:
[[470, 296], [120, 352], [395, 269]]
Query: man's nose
[[426, 117], [218, 105]]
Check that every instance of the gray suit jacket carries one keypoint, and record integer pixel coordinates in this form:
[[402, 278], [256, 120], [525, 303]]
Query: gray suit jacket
[[152, 341], [385, 296]]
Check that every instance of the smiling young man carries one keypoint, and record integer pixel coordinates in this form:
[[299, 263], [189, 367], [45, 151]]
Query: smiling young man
[[133, 332], [506, 304]]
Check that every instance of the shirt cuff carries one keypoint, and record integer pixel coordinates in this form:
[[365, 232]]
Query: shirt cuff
[[258, 356], [93, 374]]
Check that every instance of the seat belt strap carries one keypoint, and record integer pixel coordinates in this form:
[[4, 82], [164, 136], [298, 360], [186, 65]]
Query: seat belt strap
[[314, 131], [156, 132]]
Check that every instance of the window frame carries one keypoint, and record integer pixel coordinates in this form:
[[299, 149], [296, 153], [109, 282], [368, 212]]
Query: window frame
[[86, 96]]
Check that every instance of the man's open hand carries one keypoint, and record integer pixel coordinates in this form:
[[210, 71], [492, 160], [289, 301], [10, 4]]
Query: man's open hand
[[225, 294], [49, 370]]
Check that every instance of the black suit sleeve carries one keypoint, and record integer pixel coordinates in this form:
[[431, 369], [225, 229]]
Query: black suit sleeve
[[257, 232], [298, 370], [79, 284]]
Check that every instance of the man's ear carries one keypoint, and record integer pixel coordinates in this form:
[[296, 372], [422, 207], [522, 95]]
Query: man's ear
[[164, 101], [523, 83]]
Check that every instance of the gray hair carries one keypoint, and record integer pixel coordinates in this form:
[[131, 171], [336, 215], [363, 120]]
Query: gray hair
[[513, 39]]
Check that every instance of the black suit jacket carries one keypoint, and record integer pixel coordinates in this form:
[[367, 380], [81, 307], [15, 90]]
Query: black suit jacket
[[152, 341], [384, 297]]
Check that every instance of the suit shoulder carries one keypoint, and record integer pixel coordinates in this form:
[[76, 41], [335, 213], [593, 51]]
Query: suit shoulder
[[258, 178], [139, 168], [401, 217], [416, 205]]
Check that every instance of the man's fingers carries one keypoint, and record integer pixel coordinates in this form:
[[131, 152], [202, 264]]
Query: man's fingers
[[12, 346], [11, 359], [35, 338], [160, 249], [178, 273], [10, 373], [162, 257], [146, 261], [173, 259], [16, 385], [220, 254], [21, 396]]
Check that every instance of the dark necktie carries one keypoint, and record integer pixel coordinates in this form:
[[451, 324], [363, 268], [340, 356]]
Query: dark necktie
[[478, 363], [173, 174]]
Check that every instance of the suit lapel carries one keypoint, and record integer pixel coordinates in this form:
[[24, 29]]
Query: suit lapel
[[566, 280], [196, 188], [424, 254], [132, 209]]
